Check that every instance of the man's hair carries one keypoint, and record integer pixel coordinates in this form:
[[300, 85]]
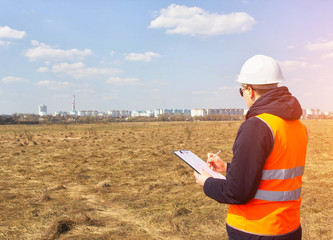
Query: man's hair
[[261, 89]]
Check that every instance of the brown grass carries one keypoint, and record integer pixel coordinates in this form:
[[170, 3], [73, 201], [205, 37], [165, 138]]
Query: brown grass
[[121, 181]]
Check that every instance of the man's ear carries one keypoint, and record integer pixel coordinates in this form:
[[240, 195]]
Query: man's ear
[[251, 92]]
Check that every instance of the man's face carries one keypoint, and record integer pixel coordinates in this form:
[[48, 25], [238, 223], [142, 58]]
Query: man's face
[[247, 95]]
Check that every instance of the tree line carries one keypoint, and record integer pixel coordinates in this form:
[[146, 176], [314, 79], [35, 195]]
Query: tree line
[[69, 119], [50, 119]]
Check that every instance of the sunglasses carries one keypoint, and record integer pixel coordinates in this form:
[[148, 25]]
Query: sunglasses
[[241, 90]]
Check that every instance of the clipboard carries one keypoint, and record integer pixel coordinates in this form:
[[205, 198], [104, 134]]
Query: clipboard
[[196, 163]]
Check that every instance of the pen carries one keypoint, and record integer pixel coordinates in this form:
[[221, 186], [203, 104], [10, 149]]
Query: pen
[[218, 152]]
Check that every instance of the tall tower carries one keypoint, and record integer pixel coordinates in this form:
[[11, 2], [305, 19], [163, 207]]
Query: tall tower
[[73, 104]]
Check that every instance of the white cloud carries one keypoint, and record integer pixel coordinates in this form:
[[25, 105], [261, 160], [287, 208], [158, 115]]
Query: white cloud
[[216, 91], [7, 32], [291, 65], [68, 67], [78, 70], [54, 85], [11, 79], [35, 43], [143, 57], [201, 92], [112, 53], [122, 81], [320, 45], [43, 69], [328, 55], [84, 90], [179, 19], [5, 43], [41, 51]]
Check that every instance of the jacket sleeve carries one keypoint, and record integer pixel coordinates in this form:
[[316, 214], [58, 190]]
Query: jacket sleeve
[[254, 143]]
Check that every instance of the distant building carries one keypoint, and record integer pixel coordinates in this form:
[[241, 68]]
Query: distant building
[[315, 112], [119, 113], [73, 113], [158, 112], [328, 114], [143, 113], [42, 110], [61, 114], [198, 112], [218, 111], [101, 114], [226, 111], [186, 112], [311, 113], [83, 113]]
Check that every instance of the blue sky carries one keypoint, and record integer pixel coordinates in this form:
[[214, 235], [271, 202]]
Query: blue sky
[[150, 54]]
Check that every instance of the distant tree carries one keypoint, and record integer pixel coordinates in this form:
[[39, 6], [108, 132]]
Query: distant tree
[[6, 119]]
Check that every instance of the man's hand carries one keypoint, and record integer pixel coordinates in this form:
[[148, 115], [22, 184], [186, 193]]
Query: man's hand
[[216, 163], [201, 178]]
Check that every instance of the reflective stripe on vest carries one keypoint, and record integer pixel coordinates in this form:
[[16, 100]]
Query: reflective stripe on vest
[[278, 195], [282, 173]]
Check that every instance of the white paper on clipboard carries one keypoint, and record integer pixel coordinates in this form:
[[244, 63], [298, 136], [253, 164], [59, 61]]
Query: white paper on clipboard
[[196, 163]]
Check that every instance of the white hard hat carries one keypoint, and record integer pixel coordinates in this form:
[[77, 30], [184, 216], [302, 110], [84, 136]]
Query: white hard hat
[[260, 70]]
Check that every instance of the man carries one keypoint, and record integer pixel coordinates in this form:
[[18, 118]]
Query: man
[[263, 181]]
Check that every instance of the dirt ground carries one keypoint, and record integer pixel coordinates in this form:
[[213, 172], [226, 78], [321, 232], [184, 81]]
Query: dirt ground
[[122, 181]]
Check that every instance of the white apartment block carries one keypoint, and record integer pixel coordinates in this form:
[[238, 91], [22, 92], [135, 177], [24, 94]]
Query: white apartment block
[[119, 113], [42, 110], [220, 111], [312, 112], [226, 111], [60, 113], [158, 112], [143, 113], [198, 112], [83, 113]]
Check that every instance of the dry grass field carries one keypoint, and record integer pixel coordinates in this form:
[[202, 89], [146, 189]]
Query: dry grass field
[[122, 181]]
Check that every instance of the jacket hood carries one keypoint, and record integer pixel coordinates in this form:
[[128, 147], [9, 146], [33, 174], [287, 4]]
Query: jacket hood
[[279, 102]]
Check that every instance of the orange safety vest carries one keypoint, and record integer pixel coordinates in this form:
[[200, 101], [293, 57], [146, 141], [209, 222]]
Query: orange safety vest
[[275, 209]]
